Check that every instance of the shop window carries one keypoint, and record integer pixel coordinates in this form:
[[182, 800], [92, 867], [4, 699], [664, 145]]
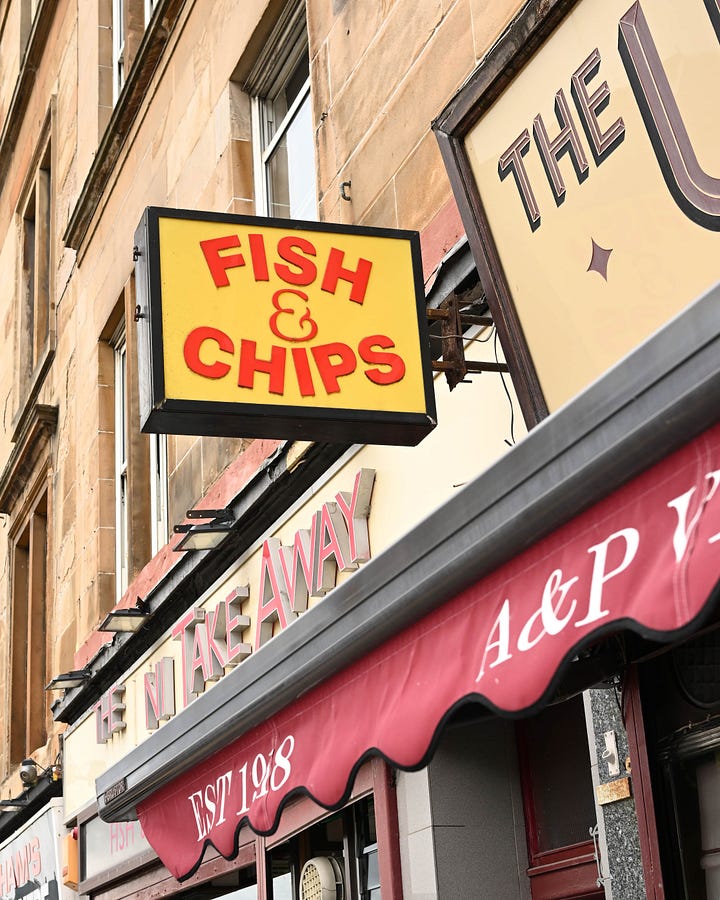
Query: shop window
[[283, 141], [337, 857], [35, 281], [559, 803], [238, 885], [28, 700], [681, 703]]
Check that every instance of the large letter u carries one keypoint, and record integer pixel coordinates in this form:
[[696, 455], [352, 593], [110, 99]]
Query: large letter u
[[696, 193]]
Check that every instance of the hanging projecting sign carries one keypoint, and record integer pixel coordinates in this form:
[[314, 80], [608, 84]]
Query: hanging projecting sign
[[590, 182], [256, 327]]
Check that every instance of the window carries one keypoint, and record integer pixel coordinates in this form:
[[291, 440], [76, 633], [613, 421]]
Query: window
[[158, 492], [121, 466], [35, 281], [25, 497], [28, 703], [28, 8], [140, 466], [130, 18], [238, 885], [118, 47], [346, 841], [284, 157], [559, 803], [680, 694]]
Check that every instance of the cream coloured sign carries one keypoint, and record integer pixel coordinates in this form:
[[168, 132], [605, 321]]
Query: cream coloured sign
[[599, 173]]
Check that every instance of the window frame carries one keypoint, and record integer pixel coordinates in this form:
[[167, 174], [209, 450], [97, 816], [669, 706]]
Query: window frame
[[140, 462], [120, 464], [130, 19], [35, 325], [374, 778], [28, 651], [267, 144], [159, 493], [559, 870], [285, 48], [118, 48]]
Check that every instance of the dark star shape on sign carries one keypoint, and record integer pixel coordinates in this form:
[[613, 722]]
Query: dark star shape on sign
[[599, 260]]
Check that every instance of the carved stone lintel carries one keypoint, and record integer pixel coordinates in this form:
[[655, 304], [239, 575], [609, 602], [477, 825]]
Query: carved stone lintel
[[32, 439]]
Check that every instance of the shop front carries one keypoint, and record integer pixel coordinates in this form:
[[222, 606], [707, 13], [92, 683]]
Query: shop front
[[576, 559], [582, 164], [37, 862], [386, 646], [250, 622]]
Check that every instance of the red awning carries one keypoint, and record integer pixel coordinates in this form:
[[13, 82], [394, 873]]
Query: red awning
[[646, 558]]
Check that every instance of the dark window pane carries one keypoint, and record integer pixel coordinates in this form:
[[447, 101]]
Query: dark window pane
[[558, 767]]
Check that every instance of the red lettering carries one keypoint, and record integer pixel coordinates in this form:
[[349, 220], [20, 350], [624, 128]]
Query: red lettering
[[299, 321], [355, 508], [20, 863], [159, 693], [273, 603], [329, 371], [369, 354], [335, 272], [191, 351], [10, 880], [35, 858], [328, 553], [198, 665], [218, 264], [109, 714], [235, 624], [307, 268], [259, 257], [274, 367], [184, 631], [297, 567], [302, 370], [213, 652]]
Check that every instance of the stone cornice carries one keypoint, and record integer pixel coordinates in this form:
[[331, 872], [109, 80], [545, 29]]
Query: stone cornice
[[33, 437]]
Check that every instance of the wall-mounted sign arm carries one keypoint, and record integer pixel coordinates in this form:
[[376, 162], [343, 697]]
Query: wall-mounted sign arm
[[453, 323]]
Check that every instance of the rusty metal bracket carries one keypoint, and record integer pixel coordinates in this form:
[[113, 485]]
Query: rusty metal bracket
[[452, 323]]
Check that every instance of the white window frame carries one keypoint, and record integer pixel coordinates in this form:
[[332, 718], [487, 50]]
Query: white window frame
[[122, 529], [35, 269], [285, 47], [118, 48], [158, 469], [158, 492], [266, 147]]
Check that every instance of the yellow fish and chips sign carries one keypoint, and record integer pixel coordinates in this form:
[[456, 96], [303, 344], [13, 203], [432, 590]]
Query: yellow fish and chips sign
[[256, 327]]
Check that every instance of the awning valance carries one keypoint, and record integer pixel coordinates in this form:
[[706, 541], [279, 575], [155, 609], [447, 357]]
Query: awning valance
[[645, 558]]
